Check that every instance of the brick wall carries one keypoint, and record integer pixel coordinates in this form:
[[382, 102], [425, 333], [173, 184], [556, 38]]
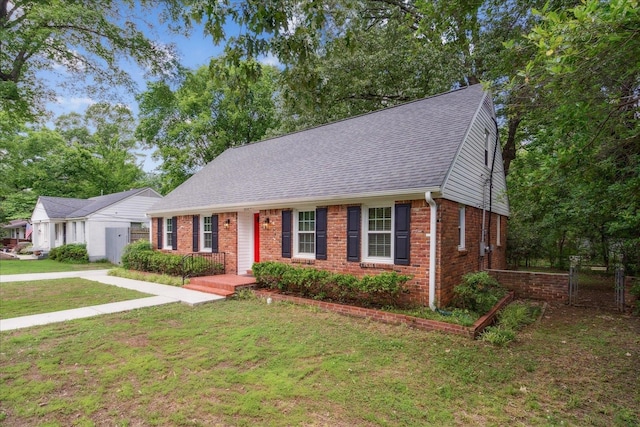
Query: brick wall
[[271, 248], [453, 262], [552, 287], [227, 238], [450, 265]]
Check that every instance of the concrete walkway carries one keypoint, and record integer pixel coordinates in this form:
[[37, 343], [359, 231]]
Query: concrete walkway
[[164, 294]]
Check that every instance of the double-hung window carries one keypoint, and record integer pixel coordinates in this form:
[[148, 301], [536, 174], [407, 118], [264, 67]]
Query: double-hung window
[[206, 232], [168, 232], [305, 233], [378, 234]]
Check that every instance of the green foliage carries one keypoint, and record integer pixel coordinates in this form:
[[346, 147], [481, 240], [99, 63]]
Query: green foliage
[[498, 335], [140, 256], [578, 177], [71, 253], [510, 319], [378, 290], [478, 292], [209, 112], [86, 41], [84, 156]]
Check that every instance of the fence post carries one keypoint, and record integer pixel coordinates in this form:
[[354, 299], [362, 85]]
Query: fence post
[[620, 288]]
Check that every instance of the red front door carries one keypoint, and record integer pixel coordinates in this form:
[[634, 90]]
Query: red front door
[[256, 237]]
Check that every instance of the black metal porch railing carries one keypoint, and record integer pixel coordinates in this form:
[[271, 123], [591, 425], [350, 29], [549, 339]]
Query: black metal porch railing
[[202, 264]]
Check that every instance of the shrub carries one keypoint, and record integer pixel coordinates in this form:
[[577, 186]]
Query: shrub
[[135, 254], [140, 256], [478, 292], [73, 252], [379, 290]]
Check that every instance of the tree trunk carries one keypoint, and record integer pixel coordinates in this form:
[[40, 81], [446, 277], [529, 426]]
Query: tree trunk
[[509, 148]]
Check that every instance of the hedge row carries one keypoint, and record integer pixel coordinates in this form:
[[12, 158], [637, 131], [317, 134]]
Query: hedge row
[[380, 290], [73, 252], [140, 256]]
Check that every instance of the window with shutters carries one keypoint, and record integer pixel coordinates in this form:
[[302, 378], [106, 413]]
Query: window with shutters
[[305, 233], [206, 233], [168, 233], [377, 236]]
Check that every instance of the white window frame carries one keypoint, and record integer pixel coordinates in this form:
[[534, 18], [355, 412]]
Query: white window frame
[[365, 234], [296, 234], [462, 227], [168, 229], [203, 232]]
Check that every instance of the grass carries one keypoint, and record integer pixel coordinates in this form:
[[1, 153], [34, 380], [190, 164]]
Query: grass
[[246, 363], [43, 296], [46, 266], [147, 277]]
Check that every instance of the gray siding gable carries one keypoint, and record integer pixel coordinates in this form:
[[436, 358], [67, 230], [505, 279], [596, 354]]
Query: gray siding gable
[[467, 181], [401, 149]]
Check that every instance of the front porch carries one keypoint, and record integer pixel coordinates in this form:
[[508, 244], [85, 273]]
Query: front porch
[[221, 284]]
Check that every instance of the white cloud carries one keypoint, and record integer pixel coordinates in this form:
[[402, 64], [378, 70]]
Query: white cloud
[[269, 59], [75, 103]]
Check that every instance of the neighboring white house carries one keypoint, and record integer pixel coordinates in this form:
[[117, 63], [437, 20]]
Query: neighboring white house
[[59, 220]]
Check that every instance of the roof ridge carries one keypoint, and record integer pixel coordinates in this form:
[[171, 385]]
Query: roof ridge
[[356, 116]]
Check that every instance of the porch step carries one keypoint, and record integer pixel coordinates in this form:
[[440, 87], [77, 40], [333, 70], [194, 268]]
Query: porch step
[[222, 284], [210, 290]]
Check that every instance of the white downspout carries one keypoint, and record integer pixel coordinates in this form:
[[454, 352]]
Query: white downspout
[[433, 216]]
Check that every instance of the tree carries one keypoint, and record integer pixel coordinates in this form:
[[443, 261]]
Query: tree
[[87, 40], [585, 80], [86, 156], [204, 116]]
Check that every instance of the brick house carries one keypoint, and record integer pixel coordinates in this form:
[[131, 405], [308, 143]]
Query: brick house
[[417, 188]]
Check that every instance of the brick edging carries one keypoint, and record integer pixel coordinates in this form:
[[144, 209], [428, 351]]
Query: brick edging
[[394, 318]]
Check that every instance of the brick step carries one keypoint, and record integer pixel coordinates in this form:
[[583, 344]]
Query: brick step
[[210, 290], [222, 284], [206, 282]]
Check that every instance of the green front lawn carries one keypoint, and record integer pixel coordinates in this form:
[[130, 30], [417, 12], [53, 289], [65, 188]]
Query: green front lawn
[[246, 363], [44, 296], [46, 266]]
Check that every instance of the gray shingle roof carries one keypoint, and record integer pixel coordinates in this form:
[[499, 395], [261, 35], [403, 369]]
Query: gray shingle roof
[[64, 207], [406, 147]]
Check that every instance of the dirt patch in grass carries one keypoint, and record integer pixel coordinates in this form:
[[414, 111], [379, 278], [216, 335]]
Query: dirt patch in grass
[[247, 363]]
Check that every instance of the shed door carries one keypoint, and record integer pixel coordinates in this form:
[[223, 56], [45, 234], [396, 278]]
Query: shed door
[[115, 241]]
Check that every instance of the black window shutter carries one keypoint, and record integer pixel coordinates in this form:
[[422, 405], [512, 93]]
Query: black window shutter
[[159, 232], [286, 234], [174, 233], [321, 233], [214, 234], [402, 234], [353, 233], [195, 246]]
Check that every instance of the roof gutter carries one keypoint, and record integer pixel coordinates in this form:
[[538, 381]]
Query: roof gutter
[[432, 248], [413, 193]]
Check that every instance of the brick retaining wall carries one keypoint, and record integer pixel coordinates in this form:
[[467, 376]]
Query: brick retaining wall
[[552, 287], [395, 318]]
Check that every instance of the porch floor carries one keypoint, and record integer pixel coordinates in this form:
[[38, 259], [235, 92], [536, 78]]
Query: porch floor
[[221, 284]]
